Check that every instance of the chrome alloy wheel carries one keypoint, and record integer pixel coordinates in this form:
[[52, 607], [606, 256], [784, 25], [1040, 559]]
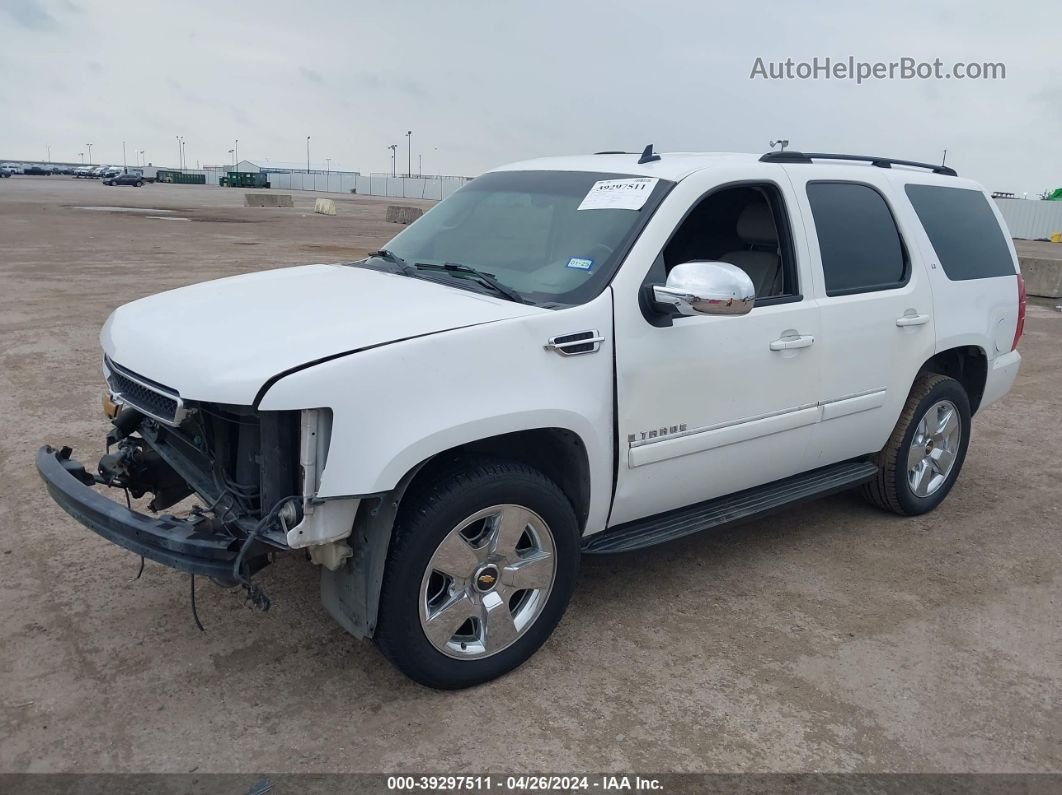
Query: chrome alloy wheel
[[934, 448], [487, 582]]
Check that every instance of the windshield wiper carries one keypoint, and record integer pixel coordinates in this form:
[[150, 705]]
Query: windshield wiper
[[484, 278], [389, 256]]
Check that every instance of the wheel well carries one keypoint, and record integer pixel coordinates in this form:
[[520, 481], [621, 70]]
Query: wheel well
[[558, 453], [968, 365]]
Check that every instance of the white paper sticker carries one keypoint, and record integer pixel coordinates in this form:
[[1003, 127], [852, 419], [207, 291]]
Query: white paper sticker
[[580, 263], [619, 194]]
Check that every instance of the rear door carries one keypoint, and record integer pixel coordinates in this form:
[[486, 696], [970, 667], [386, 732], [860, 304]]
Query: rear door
[[876, 302]]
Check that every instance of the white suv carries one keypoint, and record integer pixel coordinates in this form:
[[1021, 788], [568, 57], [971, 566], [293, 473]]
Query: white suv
[[568, 356]]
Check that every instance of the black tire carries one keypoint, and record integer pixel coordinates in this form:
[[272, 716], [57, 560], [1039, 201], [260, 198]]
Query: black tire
[[890, 489], [429, 511], [140, 184]]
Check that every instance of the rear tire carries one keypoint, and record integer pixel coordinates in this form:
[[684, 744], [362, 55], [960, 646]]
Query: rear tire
[[922, 459], [140, 184], [483, 561]]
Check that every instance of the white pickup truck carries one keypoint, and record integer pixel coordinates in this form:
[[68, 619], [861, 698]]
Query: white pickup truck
[[568, 356]]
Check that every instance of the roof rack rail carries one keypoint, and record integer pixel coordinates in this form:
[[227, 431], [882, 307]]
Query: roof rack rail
[[614, 152], [880, 162]]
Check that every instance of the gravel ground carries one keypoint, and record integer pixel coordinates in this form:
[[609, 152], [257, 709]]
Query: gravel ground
[[831, 637]]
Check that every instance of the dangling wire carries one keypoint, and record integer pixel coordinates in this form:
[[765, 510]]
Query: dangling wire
[[195, 613]]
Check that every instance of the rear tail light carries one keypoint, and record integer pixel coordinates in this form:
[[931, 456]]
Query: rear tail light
[[1020, 328]]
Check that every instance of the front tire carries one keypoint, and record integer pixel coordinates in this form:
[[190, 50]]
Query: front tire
[[922, 459], [483, 561]]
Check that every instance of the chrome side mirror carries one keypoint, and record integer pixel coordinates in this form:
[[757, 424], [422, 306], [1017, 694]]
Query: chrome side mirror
[[706, 288]]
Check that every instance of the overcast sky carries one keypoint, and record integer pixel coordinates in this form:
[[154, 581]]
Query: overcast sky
[[483, 83]]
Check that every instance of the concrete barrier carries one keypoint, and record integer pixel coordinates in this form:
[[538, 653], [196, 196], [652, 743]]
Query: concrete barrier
[[399, 214], [1041, 266], [268, 200], [325, 206]]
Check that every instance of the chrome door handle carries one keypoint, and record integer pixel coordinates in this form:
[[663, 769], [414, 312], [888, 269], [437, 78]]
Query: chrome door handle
[[912, 320], [792, 343]]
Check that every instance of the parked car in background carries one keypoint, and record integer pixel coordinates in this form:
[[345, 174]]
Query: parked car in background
[[38, 171], [14, 168], [6, 171], [83, 172], [98, 171], [131, 178], [568, 356]]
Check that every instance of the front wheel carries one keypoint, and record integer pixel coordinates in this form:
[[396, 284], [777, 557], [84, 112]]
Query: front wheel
[[922, 459], [482, 564], [140, 184]]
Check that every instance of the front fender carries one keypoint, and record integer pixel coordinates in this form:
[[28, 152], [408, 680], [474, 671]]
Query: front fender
[[395, 406]]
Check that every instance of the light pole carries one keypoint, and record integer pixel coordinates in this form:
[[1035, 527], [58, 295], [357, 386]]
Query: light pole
[[89, 146], [236, 152], [125, 162], [233, 159], [409, 153], [393, 148], [180, 163], [82, 156], [143, 157], [307, 154], [49, 148], [420, 165]]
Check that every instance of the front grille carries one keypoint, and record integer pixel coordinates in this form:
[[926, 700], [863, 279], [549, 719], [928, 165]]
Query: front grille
[[144, 395]]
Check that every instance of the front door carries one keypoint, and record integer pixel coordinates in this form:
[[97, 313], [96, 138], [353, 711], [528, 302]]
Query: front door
[[715, 404]]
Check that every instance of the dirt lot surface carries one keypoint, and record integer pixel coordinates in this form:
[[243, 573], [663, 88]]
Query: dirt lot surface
[[831, 637]]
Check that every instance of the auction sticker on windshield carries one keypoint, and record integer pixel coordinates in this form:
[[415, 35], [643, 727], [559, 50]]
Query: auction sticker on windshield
[[619, 194]]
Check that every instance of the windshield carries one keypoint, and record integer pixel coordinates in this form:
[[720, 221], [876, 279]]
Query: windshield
[[552, 236]]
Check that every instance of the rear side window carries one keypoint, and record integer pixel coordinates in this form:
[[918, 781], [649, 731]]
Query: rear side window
[[963, 230], [858, 239]]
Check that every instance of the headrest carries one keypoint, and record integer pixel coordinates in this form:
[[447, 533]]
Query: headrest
[[755, 224]]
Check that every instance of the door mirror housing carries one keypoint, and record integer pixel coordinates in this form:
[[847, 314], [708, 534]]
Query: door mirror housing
[[705, 288]]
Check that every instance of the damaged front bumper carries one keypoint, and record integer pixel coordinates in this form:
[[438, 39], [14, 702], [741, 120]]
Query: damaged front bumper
[[197, 544]]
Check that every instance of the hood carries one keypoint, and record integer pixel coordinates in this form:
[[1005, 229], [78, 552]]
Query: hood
[[220, 341]]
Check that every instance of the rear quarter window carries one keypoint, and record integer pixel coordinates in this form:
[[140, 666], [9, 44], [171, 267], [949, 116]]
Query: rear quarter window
[[963, 230]]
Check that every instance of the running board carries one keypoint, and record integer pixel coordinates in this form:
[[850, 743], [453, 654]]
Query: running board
[[743, 505]]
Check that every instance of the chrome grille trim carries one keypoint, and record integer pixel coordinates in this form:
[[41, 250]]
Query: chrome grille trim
[[147, 397]]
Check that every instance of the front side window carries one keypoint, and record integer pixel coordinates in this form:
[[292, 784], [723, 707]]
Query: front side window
[[859, 243], [533, 231], [746, 226]]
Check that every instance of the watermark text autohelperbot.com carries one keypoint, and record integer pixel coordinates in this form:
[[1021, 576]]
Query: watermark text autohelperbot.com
[[849, 68]]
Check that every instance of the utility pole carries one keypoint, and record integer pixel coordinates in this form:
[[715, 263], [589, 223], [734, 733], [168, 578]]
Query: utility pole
[[393, 148], [90, 153], [409, 153]]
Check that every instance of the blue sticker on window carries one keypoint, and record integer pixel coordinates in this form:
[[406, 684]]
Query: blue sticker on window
[[580, 264]]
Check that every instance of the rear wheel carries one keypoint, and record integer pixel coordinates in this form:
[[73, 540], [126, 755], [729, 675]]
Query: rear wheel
[[139, 184], [922, 459], [482, 565]]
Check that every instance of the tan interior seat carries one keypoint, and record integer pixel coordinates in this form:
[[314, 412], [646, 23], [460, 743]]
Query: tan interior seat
[[760, 258]]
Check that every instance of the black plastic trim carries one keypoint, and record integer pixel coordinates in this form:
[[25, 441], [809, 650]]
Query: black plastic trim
[[874, 160], [177, 543], [743, 505]]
